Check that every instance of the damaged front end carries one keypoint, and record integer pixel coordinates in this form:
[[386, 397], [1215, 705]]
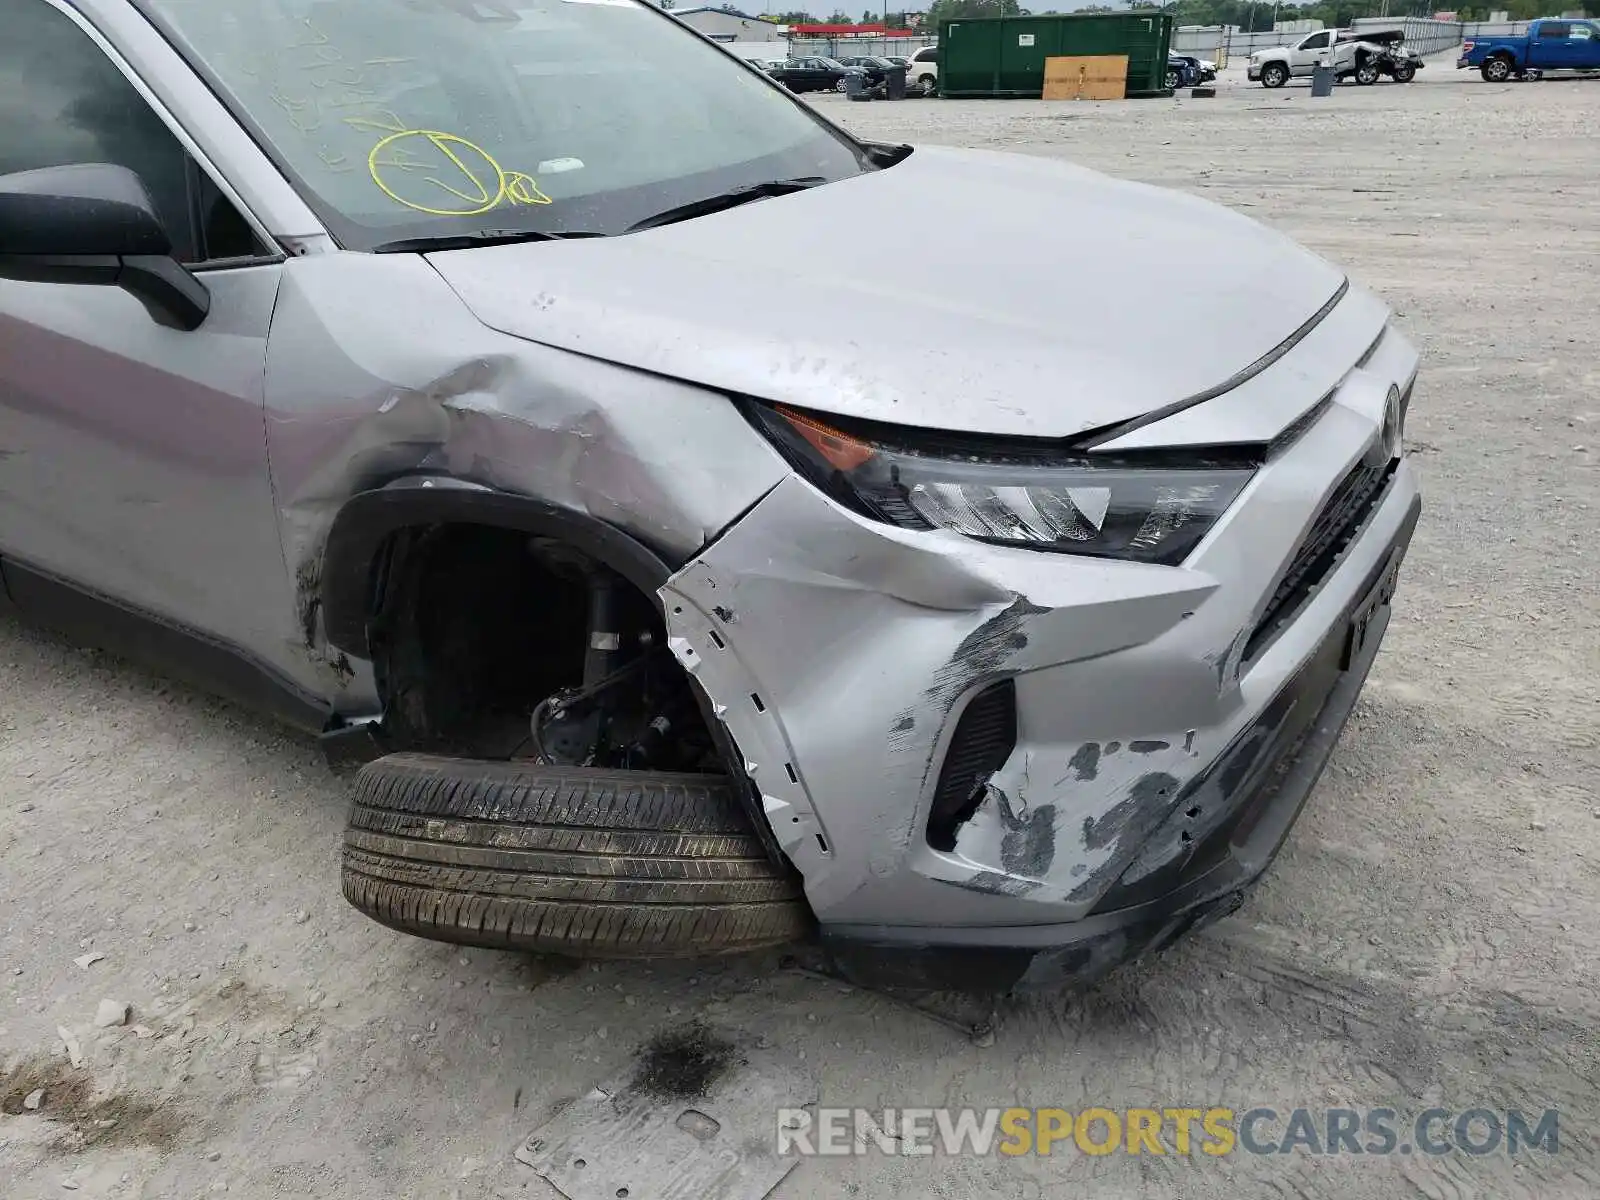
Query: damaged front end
[[1030, 706], [1036, 764]]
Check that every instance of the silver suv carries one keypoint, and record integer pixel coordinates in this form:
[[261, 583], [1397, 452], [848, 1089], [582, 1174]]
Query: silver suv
[[401, 367]]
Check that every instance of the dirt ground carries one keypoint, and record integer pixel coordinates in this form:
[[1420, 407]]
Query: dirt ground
[[1431, 935]]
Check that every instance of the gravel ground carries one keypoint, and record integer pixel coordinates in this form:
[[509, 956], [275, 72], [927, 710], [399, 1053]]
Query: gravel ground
[[1428, 937]]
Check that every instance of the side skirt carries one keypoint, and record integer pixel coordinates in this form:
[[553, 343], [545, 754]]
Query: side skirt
[[163, 646]]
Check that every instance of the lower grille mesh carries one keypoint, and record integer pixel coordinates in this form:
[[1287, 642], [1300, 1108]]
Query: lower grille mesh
[[984, 738]]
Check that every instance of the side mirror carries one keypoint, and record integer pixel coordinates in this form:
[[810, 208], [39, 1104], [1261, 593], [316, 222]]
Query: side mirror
[[94, 223]]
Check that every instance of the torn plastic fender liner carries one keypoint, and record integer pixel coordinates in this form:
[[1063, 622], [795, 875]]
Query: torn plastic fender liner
[[836, 649]]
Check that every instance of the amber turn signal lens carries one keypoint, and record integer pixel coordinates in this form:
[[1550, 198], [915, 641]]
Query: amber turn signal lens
[[839, 449]]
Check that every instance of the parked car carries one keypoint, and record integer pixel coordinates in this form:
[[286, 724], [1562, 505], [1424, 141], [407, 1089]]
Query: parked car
[[1182, 71], [814, 74], [1549, 45], [1353, 57], [923, 75], [679, 613], [875, 68]]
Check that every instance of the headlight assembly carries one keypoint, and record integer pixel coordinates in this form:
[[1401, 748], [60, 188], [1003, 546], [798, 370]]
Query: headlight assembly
[[1021, 495]]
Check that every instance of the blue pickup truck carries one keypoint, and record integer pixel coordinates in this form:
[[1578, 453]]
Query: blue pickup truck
[[1549, 45]]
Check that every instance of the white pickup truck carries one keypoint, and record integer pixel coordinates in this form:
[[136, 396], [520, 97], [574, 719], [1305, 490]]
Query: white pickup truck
[[1364, 59]]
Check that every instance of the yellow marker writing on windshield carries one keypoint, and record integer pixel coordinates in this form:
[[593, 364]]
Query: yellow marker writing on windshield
[[476, 180]]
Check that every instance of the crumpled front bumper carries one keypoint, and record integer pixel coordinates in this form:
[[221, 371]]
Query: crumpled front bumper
[[1257, 788], [1253, 71], [1150, 724]]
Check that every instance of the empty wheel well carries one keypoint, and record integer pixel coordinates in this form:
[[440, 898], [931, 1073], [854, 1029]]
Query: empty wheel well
[[476, 630], [476, 608]]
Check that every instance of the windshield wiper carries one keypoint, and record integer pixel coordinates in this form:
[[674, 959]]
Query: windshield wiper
[[477, 237], [729, 199]]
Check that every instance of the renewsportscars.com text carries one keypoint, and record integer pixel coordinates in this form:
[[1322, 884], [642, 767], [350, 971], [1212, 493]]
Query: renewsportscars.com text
[[1181, 1132]]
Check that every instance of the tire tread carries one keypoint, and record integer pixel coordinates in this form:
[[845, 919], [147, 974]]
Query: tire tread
[[582, 861]]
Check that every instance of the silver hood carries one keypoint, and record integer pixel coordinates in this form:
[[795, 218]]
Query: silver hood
[[959, 290]]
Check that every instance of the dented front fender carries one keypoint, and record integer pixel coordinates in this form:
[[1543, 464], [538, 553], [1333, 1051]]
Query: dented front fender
[[376, 371]]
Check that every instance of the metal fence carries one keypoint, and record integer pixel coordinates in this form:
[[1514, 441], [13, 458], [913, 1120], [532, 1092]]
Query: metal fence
[[905, 47], [1422, 35], [1482, 29], [1226, 43]]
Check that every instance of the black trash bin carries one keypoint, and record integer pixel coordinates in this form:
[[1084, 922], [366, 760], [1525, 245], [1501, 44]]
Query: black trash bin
[[895, 84], [855, 86]]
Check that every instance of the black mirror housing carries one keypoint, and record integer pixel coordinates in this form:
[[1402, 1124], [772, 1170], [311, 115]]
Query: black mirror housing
[[87, 208], [94, 223]]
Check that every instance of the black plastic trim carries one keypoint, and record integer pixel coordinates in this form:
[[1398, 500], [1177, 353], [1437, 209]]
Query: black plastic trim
[[993, 448], [1351, 505], [164, 646], [985, 735]]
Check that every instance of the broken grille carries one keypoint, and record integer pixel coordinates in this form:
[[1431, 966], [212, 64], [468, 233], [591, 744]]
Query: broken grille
[[1339, 521], [984, 738]]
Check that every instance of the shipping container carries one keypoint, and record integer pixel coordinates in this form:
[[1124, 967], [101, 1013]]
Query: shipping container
[[1004, 56]]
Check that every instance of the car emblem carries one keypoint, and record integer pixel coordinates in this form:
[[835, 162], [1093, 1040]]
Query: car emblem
[[1386, 446], [1392, 423]]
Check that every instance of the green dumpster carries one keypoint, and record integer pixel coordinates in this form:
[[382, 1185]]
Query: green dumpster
[[1004, 56]]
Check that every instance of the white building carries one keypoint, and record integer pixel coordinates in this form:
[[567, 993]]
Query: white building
[[729, 25]]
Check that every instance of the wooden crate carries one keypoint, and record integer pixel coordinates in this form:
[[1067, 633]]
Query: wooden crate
[[1086, 77]]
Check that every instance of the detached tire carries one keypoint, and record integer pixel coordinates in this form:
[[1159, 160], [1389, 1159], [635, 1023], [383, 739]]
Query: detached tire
[[571, 860]]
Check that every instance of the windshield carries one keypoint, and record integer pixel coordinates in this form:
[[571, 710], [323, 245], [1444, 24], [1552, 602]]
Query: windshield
[[402, 119]]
